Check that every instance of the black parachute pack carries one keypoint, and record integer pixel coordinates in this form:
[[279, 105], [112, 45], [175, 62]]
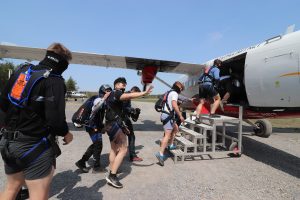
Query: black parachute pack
[[25, 80], [82, 115], [135, 113], [162, 100]]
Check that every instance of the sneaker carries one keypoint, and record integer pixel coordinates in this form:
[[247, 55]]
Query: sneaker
[[178, 134], [81, 165], [171, 147], [113, 180], [23, 194], [136, 159], [160, 158]]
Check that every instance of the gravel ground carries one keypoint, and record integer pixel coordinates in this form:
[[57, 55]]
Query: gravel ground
[[268, 169]]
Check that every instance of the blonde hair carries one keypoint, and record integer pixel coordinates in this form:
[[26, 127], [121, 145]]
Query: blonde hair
[[61, 50]]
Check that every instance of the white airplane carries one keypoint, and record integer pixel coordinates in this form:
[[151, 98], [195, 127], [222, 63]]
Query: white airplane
[[267, 76]]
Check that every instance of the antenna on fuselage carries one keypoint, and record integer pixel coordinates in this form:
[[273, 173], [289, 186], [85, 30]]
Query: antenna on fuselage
[[290, 29]]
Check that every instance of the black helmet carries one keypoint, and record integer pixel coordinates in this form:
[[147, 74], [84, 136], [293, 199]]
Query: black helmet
[[103, 88], [120, 80]]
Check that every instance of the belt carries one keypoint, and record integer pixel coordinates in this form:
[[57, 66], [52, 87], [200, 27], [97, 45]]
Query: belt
[[19, 136]]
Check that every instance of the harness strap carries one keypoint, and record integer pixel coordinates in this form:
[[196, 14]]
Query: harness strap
[[170, 113], [33, 153], [29, 156], [165, 121], [209, 76], [166, 103]]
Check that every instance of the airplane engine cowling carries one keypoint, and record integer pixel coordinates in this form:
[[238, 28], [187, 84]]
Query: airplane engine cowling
[[148, 74]]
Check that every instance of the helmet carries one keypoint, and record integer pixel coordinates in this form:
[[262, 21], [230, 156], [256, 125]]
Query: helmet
[[104, 88]]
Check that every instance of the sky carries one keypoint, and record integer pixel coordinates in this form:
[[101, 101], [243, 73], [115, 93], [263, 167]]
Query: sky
[[191, 31]]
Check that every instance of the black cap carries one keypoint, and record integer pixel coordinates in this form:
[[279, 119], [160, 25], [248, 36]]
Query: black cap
[[120, 80]]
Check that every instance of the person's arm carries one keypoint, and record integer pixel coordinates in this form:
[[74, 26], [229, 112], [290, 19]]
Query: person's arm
[[176, 109], [98, 102], [184, 98], [4, 102], [133, 95], [216, 74], [55, 108]]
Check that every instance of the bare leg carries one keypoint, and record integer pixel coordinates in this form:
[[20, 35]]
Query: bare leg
[[119, 149], [165, 141], [174, 131], [217, 100], [112, 155], [39, 188], [226, 97], [14, 184], [199, 107]]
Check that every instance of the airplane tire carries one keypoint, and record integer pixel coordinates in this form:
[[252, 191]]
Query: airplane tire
[[234, 146], [264, 128]]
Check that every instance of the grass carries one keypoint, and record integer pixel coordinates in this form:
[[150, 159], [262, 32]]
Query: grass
[[153, 100], [286, 123]]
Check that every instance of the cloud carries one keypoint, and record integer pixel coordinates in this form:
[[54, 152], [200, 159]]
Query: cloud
[[8, 43], [215, 36]]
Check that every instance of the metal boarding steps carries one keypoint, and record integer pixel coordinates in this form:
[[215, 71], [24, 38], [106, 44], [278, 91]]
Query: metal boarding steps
[[199, 137]]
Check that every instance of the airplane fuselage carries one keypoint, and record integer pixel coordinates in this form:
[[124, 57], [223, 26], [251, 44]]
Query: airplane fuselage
[[269, 77]]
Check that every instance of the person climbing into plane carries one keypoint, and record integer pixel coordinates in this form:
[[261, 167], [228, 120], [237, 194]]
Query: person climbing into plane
[[208, 83]]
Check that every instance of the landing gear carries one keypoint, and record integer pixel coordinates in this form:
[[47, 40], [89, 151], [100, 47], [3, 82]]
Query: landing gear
[[263, 128]]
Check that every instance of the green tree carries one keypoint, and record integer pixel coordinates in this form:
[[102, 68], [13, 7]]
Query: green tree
[[71, 84], [4, 73]]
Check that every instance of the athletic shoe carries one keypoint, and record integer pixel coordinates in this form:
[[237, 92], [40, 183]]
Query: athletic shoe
[[171, 147], [81, 165], [160, 158], [113, 180], [23, 194], [178, 134], [136, 159]]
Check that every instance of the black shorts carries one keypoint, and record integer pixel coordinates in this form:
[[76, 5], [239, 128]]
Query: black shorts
[[39, 168], [112, 130], [207, 91]]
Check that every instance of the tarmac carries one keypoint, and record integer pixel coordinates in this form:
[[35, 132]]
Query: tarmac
[[268, 169]]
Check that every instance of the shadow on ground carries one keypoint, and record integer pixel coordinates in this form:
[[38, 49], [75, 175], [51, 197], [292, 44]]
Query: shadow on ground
[[63, 185], [73, 128], [269, 155], [148, 125]]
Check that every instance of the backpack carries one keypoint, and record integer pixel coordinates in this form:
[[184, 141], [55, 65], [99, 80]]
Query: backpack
[[160, 103], [82, 115], [24, 80], [207, 70]]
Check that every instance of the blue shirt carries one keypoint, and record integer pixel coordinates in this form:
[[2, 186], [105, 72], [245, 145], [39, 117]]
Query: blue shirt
[[214, 72]]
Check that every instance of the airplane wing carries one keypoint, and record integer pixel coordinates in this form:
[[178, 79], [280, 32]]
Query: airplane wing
[[37, 54]]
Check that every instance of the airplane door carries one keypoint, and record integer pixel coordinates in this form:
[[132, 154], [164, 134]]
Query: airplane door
[[272, 77]]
